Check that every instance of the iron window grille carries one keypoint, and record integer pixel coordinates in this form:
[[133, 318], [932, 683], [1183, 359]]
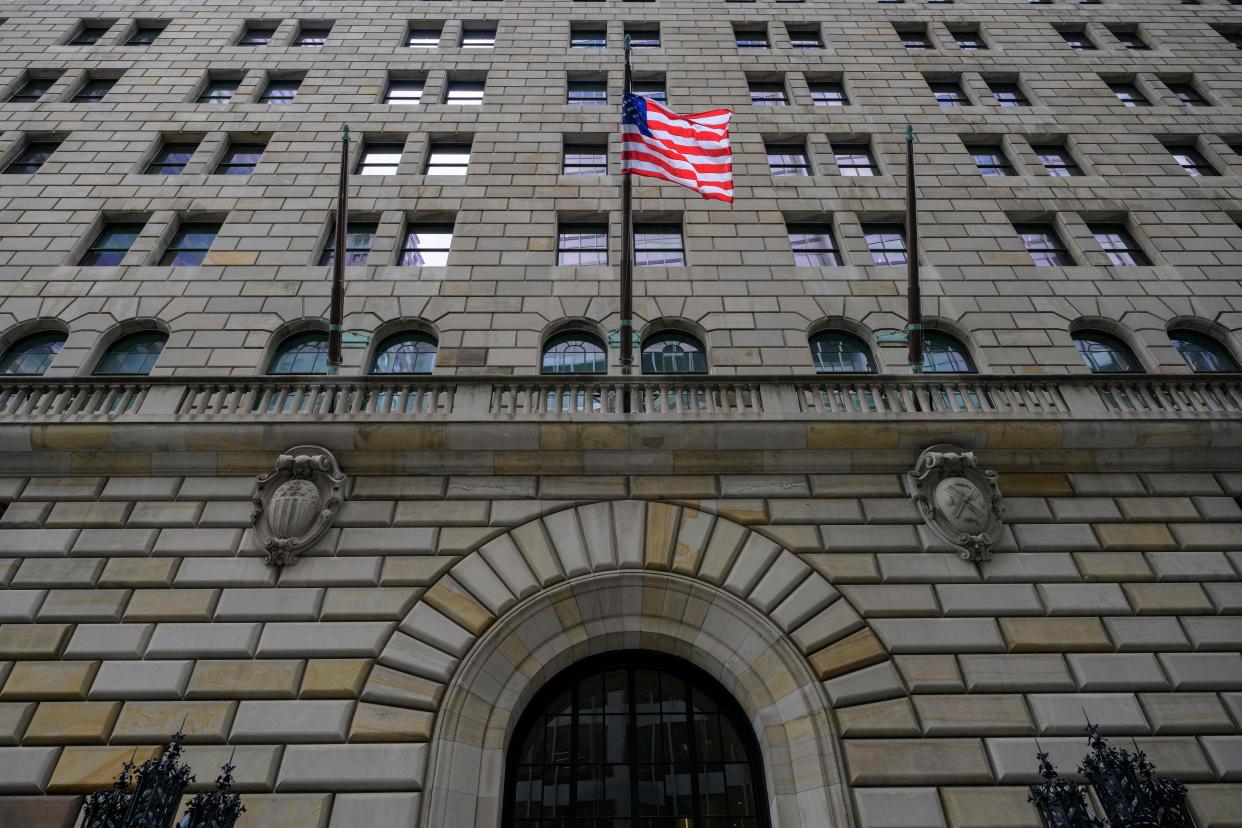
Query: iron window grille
[[949, 93], [407, 352], [584, 36], [93, 90], [585, 159], [751, 37], [788, 160], [32, 90], [190, 244], [840, 352], [1129, 94], [312, 37], [404, 92], [1192, 161], [887, 243], [90, 33], [582, 245], [304, 353], [144, 35], [423, 37], [813, 245], [990, 160], [32, 355], [359, 236], [379, 159], [1058, 161], [828, 93], [587, 92], [218, 91], [658, 245], [1121, 247], [240, 159], [478, 36], [31, 158], [855, 161], [257, 35], [171, 158], [133, 355], [110, 246], [574, 352], [280, 91], [768, 93], [1008, 94], [426, 245], [1044, 245], [464, 92], [1203, 354], [448, 159], [643, 37]]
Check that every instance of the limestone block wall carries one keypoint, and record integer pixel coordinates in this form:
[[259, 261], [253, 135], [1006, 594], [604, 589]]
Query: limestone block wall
[[889, 682]]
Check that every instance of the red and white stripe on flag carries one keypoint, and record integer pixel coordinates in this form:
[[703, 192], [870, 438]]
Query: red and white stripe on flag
[[691, 150]]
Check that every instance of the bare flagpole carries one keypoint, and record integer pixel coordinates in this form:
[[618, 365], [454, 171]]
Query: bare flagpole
[[336, 312], [627, 255], [914, 311]]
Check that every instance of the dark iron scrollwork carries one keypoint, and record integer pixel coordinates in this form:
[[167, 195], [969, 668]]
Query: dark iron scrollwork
[[1165, 796], [107, 809], [215, 809], [1061, 803], [157, 793]]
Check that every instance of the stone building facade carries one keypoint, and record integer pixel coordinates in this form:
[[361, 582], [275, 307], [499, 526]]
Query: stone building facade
[[498, 526]]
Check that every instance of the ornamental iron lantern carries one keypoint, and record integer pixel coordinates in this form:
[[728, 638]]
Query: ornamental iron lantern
[[1113, 775], [1061, 803], [107, 809], [157, 794], [1166, 796], [215, 809]]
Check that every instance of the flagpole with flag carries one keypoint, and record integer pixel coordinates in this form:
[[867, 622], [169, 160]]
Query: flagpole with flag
[[914, 308], [336, 311], [627, 252]]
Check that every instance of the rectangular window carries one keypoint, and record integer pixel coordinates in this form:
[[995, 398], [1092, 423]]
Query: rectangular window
[[31, 158], [583, 158], [788, 160], [768, 93], [171, 158], [359, 235], [93, 90], [90, 33], [379, 159], [652, 88], [1078, 40], [447, 159], [915, 39], [828, 93], [1122, 249], [804, 37], [855, 160], [990, 159], [750, 36], [218, 91], [1192, 161], [582, 244], [658, 245], [948, 93], [426, 245], [1233, 35], [1129, 94], [1057, 160], [280, 91], [145, 34], [587, 92], [887, 243], [1186, 93], [588, 35], [110, 246], [969, 40], [190, 244], [478, 36], [1130, 39], [1008, 93], [464, 92], [643, 35], [312, 35], [257, 34], [33, 89], [423, 36], [404, 92], [240, 159], [1044, 245], [813, 245]]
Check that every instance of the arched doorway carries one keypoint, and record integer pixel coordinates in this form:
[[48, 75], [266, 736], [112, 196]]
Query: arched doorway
[[634, 739]]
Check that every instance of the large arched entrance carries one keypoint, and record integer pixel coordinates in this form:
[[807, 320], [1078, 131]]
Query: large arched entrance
[[634, 739]]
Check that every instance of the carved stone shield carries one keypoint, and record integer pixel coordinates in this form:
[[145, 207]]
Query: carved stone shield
[[959, 502], [294, 505]]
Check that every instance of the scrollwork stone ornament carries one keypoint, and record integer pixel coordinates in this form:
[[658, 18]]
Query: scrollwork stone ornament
[[295, 504], [959, 502]]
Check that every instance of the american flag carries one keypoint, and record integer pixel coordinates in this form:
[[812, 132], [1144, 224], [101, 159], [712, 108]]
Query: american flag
[[691, 150]]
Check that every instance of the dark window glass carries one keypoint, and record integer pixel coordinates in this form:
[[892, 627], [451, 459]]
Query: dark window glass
[[1057, 161], [304, 353], [423, 37], [31, 356], [990, 160], [280, 91], [1044, 245], [943, 354], [1120, 246], [93, 90], [658, 245], [448, 159], [915, 40], [887, 243], [1105, 354], [788, 159], [1130, 40], [1234, 37], [586, 159], [588, 35], [574, 352], [643, 36], [838, 352], [32, 90], [132, 355], [949, 93], [312, 36], [587, 92], [652, 88], [768, 93], [171, 158], [144, 35], [751, 37], [1129, 94], [89, 34], [855, 160], [358, 238], [1192, 161], [1202, 353], [802, 37], [813, 245], [426, 245], [1008, 94], [1079, 41], [218, 91], [257, 34], [969, 41], [31, 158], [828, 93], [379, 159], [404, 92], [240, 159], [478, 36], [582, 244], [673, 352], [1186, 93], [111, 245], [190, 244], [464, 92], [407, 352]]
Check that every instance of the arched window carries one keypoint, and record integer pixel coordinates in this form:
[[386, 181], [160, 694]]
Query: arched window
[[838, 352], [1105, 353], [673, 352], [634, 739], [1202, 353], [31, 356], [133, 355], [304, 353], [574, 352], [405, 352], [945, 354]]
